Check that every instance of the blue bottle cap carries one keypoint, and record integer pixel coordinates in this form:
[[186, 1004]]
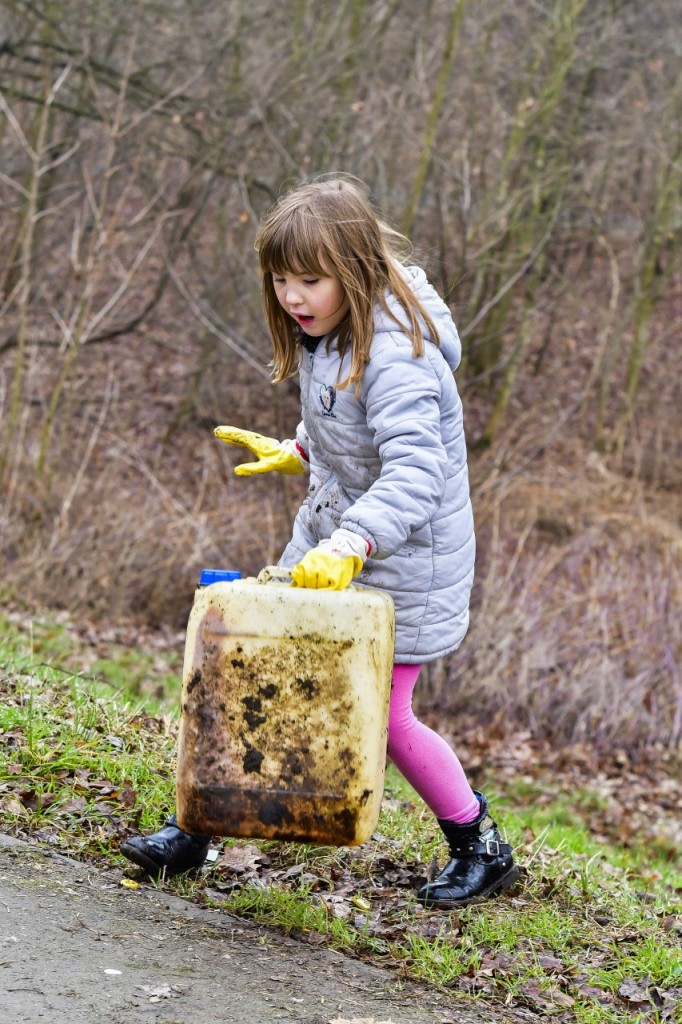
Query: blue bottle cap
[[209, 576]]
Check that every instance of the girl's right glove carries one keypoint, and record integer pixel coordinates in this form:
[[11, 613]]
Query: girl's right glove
[[283, 456], [333, 563]]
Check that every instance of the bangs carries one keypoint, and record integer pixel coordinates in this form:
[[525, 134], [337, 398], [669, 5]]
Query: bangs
[[292, 245]]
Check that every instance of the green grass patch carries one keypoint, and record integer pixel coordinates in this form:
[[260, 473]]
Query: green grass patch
[[592, 931], [110, 668]]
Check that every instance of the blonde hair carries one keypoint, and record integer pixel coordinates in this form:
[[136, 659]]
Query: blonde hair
[[328, 228]]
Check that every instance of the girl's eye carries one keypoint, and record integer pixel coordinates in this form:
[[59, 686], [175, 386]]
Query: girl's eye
[[311, 280]]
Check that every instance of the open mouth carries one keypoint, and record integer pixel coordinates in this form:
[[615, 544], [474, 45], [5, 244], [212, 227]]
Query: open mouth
[[304, 319]]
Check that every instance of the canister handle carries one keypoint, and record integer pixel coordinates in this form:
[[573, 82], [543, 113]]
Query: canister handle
[[274, 574]]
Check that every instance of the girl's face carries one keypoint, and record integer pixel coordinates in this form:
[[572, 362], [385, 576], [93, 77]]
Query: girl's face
[[318, 304]]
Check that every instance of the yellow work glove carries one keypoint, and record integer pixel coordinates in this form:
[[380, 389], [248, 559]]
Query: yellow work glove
[[282, 456], [333, 563]]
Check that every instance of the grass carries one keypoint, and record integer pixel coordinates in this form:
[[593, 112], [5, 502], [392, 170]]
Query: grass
[[112, 668], [592, 932]]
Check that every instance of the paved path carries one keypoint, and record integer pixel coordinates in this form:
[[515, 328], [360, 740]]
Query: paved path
[[77, 948]]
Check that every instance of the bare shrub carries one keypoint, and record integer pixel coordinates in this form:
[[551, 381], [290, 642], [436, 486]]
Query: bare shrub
[[576, 631], [534, 153]]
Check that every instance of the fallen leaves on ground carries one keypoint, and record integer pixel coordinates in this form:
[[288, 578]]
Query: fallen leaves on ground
[[371, 889]]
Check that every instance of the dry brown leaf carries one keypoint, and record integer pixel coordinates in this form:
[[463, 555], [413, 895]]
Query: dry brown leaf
[[633, 992], [358, 1020], [241, 858], [158, 992], [10, 805]]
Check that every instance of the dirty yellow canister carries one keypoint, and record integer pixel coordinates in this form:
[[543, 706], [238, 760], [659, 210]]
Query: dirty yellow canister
[[285, 711]]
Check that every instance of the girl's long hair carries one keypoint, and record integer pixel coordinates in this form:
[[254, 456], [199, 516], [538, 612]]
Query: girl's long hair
[[329, 228]]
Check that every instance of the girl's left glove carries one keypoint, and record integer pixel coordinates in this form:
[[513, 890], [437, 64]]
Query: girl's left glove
[[333, 563], [283, 456]]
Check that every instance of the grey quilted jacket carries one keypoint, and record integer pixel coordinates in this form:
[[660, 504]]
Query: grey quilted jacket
[[391, 466]]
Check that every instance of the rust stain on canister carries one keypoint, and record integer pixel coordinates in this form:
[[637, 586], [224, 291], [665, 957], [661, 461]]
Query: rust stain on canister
[[264, 741]]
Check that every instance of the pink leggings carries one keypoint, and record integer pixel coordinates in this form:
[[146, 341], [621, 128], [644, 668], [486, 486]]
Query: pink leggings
[[424, 758]]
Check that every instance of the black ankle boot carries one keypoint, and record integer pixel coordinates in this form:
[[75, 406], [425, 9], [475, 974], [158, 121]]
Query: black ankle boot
[[170, 848], [481, 864]]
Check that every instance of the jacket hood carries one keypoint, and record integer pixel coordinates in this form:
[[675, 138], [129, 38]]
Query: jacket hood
[[450, 345]]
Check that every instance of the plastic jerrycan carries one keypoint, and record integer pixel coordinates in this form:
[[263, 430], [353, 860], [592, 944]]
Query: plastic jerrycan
[[284, 715]]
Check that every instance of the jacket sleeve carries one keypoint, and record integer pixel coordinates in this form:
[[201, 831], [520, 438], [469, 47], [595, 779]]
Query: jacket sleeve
[[401, 395]]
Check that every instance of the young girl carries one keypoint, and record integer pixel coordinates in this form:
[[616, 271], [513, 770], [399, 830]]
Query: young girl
[[388, 503]]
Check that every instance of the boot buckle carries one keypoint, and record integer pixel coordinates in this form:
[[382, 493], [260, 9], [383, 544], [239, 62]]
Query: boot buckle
[[492, 847]]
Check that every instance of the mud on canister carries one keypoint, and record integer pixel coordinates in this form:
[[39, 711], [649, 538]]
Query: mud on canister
[[284, 712]]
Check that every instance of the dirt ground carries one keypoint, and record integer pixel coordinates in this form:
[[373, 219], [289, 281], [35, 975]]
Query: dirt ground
[[78, 948]]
